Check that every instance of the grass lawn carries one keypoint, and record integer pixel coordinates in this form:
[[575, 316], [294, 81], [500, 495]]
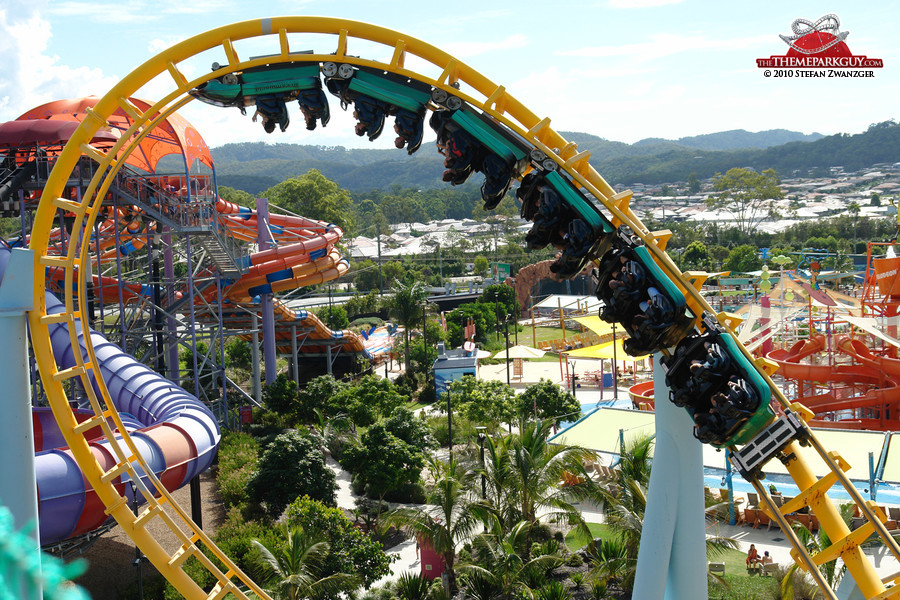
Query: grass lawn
[[542, 334], [415, 406], [598, 530], [741, 585]]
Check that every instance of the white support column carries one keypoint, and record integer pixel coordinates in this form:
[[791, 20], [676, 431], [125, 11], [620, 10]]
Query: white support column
[[672, 559], [18, 486], [254, 356]]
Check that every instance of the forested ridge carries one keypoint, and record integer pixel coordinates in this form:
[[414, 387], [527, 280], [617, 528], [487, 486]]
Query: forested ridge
[[254, 167]]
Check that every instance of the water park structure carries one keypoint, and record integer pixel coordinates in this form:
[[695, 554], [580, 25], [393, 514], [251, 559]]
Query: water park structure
[[720, 393]]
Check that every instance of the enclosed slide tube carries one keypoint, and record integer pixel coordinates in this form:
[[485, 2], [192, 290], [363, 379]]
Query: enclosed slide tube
[[175, 433]]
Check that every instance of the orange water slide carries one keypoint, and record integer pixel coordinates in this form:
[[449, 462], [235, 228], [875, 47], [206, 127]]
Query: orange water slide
[[877, 408]]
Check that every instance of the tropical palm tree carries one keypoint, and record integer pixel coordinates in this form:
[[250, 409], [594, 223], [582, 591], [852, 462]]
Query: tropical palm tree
[[526, 474], [406, 306], [815, 543], [292, 571], [624, 510], [452, 514], [502, 560]]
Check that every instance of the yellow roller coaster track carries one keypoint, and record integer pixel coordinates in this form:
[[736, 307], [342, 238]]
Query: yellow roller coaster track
[[454, 77]]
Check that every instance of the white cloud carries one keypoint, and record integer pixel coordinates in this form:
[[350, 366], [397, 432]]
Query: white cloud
[[133, 11], [31, 76], [157, 45]]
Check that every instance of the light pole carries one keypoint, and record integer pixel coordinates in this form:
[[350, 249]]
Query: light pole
[[506, 335], [481, 437], [425, 340], [615, 367], [449, 421]]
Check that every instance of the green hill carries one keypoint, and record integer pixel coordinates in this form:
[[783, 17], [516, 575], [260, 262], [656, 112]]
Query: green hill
[[254, 167]]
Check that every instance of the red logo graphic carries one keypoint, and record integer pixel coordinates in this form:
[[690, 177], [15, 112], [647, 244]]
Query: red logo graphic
[[818, 45]]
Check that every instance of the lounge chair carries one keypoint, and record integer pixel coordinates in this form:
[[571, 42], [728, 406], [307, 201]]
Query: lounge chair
[[753, 500], [750, 516], [769, 569], [763, 519], [717, 568]]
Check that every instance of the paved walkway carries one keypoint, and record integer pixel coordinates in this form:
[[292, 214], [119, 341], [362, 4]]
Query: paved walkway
[[406, 560]]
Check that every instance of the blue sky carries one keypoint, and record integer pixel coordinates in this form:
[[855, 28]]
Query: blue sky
[[619, 69]]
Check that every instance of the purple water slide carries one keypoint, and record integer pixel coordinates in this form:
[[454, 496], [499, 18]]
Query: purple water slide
[[174, 432]]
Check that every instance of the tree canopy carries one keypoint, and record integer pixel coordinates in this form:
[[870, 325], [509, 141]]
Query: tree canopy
[[747, 195], [313, 196]]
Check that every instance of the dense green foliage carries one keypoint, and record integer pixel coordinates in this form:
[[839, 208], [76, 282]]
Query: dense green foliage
[[484, 402], [335, 317], [281, 395], [318, 394], [313, 195], [351, 551], [291, 465], [546, 400], [747, 196], [238, 453], [383, 461], [293, 567]]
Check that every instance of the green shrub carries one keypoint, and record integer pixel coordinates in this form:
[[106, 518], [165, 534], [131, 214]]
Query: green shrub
[[551, 547], [599, 589], [437, 591], [366, 323], [292, 465], [577, 579], [554, 590], [462, 429], [534, 577], [352, 551], [574, 560], [411, 587], [408, 493], [478, 587], [237, 463], [541, 532], [267, 423]]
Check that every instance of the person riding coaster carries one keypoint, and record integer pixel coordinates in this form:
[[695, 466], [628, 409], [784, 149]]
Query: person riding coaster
[[579, 239], [706, 380], [409, 127], [371, 112], [314, 106], [637, 300], [273, 111], [550, 214], [464, 154]]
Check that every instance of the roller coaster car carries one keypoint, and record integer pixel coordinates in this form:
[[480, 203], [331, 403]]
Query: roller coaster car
[[712, 379], [543, 205], [270, 87], [376, 95], [471, 141], [579, 240], [636, 293]]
